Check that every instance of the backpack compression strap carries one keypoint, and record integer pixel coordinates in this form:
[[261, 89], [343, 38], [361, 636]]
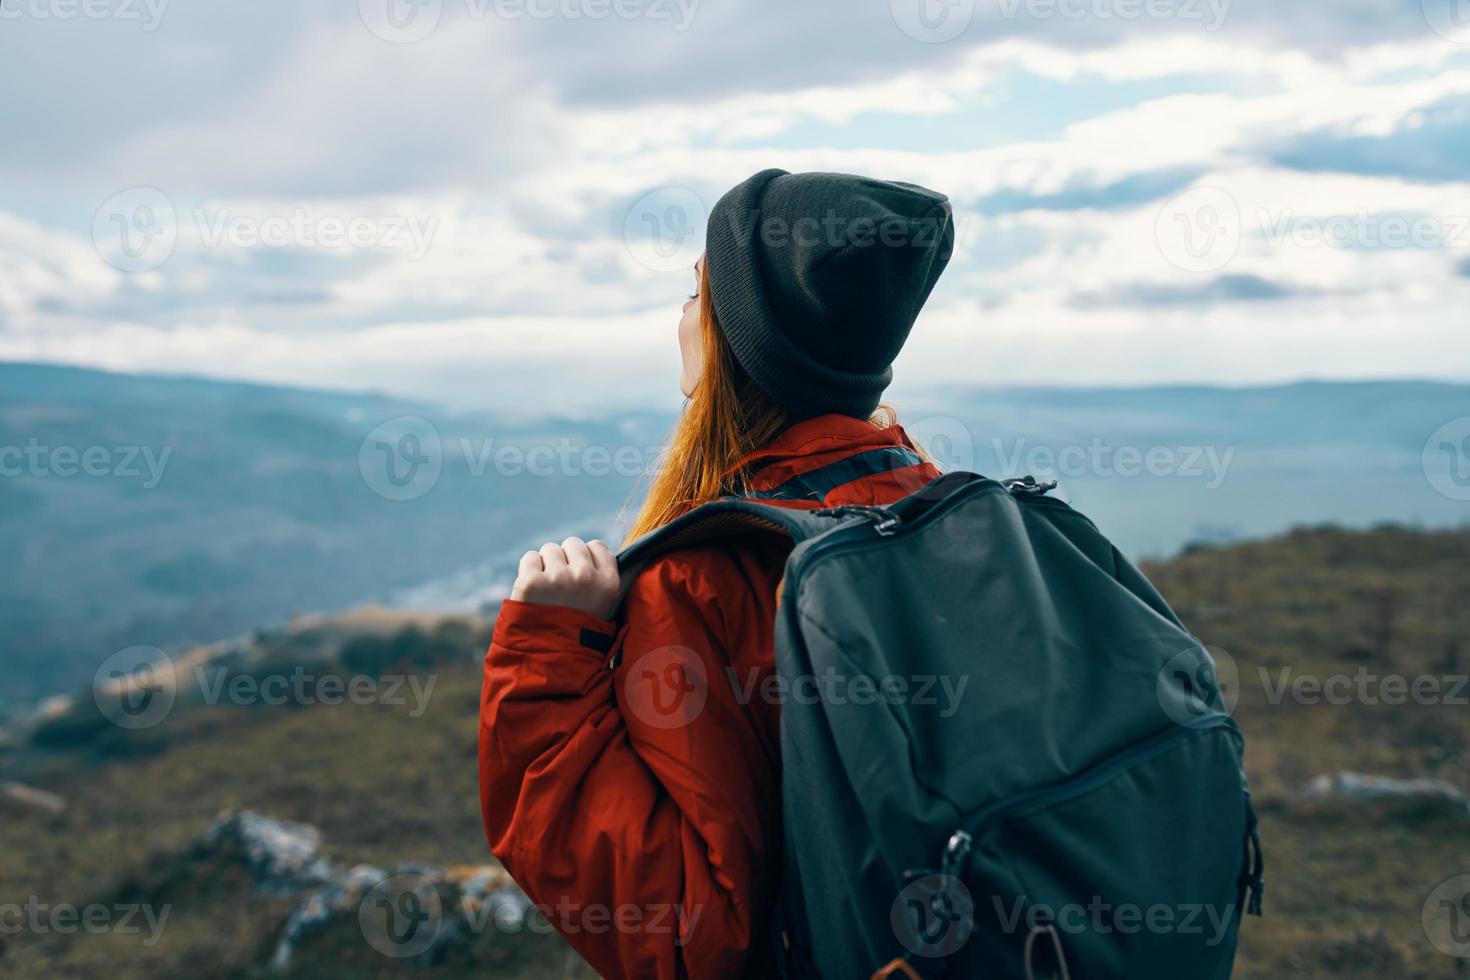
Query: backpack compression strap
[[816, 484]]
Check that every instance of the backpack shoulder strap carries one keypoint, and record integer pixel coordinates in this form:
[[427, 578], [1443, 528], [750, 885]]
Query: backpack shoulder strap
[[816, 484], [744, 512], [716, 521]]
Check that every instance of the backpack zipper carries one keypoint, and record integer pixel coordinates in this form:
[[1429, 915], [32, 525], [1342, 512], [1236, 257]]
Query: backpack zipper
[[886, 523], [1044, 797], [1252, 884]]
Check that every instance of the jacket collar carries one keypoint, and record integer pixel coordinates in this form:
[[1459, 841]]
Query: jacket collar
[[816, 442]]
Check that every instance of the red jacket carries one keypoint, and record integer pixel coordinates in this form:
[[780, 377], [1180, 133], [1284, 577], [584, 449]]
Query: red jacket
[[639, 806]]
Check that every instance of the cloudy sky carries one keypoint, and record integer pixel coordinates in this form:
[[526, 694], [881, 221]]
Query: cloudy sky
[[496, 202]]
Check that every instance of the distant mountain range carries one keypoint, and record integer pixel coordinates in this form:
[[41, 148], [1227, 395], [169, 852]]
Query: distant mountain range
[[163, 511]]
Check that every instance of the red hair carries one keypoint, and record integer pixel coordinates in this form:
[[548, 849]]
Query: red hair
[[727, 418]]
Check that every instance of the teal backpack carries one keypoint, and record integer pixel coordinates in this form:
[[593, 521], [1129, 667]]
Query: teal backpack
[[1020, 764]]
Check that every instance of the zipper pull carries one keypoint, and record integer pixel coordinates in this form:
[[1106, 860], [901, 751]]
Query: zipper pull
[[1027, 485], [955, 852], [884, 520]]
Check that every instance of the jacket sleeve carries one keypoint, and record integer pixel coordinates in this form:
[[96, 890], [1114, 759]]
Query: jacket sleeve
[[637, 806]]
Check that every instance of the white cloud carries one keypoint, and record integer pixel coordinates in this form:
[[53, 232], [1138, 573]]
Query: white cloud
[[499, 135], [39, 264]]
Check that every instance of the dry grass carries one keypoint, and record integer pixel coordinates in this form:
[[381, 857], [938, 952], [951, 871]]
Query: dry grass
[[1346, 881]]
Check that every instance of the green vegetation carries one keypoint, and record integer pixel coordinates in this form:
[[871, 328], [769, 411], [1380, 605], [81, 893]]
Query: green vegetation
[[1347, 879]]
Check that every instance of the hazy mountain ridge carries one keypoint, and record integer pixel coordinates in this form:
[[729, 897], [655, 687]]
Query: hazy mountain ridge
[[269, 500], [261, 508]]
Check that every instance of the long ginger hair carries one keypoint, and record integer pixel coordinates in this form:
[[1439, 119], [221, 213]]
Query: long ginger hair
[[727, 418]]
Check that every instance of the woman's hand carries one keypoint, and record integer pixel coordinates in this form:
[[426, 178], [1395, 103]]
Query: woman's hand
[[576, 573]]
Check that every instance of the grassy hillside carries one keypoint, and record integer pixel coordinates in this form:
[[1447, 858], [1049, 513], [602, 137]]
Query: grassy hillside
[[1347, 879]]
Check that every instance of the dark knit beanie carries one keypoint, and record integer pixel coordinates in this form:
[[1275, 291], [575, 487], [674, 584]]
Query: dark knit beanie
[[816, 280]]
